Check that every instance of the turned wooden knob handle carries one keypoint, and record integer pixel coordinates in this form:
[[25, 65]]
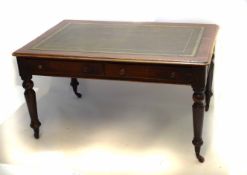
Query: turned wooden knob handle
[[173, 75], [122, 71], [85, 69], [40, 66]]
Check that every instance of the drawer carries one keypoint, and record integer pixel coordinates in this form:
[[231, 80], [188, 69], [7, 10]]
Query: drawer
[[148, 72], [66, 68], [168, 73], [125, 71]]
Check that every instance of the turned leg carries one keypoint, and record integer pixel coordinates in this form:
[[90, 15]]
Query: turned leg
[[198, 113], [208, 92], [32, 106], [74, 83]]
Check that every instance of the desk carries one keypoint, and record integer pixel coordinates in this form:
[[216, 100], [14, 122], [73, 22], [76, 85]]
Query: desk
[[175, 53]]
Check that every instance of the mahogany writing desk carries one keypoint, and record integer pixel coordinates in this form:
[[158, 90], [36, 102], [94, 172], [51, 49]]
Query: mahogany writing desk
[[172, 53]]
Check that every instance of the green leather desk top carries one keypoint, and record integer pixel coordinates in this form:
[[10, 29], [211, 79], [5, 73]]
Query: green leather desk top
[[125, 41]]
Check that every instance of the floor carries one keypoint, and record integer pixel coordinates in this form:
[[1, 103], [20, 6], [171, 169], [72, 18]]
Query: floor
[[116, 128], [121, 128]]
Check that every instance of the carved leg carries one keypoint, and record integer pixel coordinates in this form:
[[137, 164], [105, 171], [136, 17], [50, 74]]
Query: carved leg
[[74, 83], [198, 113], [32, 106], [209, 92]]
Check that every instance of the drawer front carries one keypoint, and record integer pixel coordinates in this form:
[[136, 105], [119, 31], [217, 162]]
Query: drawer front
[[125, 71], [148, 72], [171, 74], [66, 68]]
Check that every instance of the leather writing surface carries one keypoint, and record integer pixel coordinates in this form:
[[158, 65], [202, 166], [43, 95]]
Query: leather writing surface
[[144, 39], [134, 42]]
